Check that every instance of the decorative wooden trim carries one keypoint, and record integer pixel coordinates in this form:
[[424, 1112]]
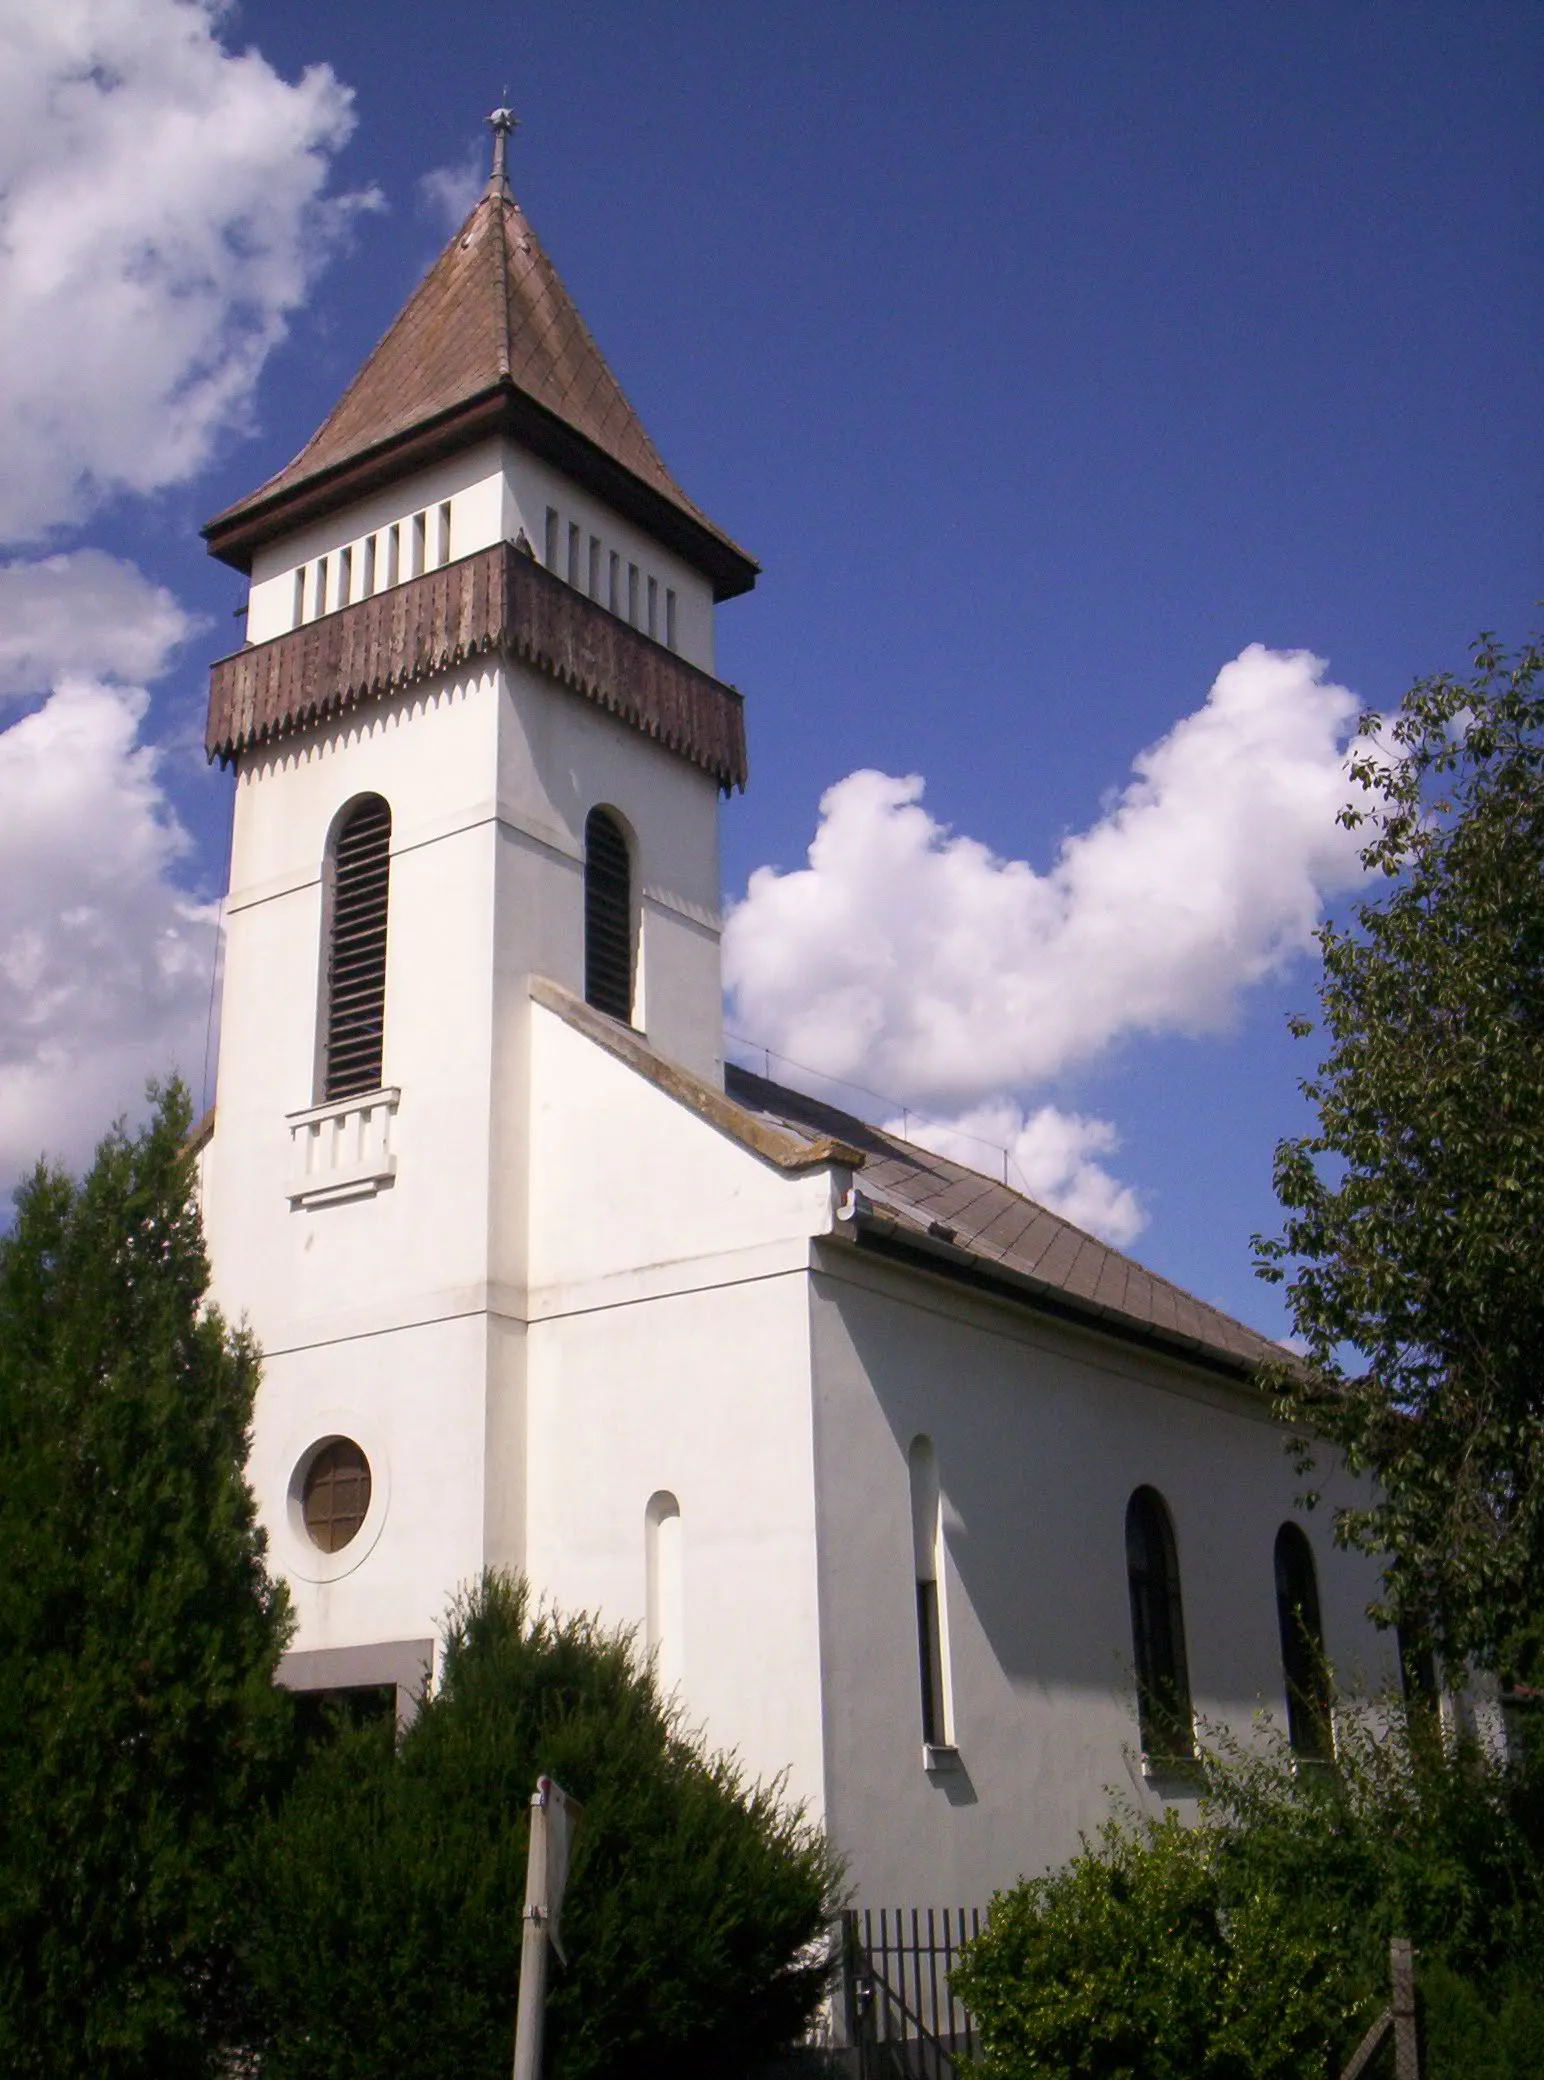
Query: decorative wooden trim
[[497, 601]]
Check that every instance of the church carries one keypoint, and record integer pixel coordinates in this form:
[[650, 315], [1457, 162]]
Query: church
[[915, 1491]]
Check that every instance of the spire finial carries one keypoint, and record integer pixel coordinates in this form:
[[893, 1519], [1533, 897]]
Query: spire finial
[[501, 123]]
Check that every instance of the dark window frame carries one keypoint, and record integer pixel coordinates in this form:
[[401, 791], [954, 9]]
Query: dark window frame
[[335, 1494], [1304, 1668], [1165, 1712]]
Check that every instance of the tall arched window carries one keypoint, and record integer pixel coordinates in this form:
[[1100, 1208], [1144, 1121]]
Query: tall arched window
[[1302, 1647], [1158, 1630], [927, 1550], [359, 870], [608, 917]]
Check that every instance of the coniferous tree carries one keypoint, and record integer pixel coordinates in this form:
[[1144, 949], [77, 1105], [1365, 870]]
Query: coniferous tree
[[384, 1935], [139, 1631]]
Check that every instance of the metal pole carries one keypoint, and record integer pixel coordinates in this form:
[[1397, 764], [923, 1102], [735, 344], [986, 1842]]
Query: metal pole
[[530, 2010]]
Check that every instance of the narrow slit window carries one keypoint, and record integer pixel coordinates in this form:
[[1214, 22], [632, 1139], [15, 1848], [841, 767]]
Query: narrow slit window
[[1303, 1665], [553, 526], [575, 543], [420, 544], [665, 1621], [345, 576], [614, 584], [319, 589], [394, 554], [670, 620], [608, 917], [632, 594], [595, 561], [445, 532], [1164, 1711], [358, 884], [654, 607], [298, 602], [367, 584], [927, 1548]]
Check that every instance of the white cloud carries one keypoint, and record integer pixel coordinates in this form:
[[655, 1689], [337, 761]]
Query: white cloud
[[447, 193], [85, 613], [918, 963], [104, 960], [1050, 1154], [161, 214]]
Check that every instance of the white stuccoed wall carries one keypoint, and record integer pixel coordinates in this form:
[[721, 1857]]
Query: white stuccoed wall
[[1042, 1433], [669, 1349]]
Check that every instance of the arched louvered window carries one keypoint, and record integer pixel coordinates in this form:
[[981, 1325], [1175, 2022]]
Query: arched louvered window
[[608, 917], [1158, 1630], [1302, 1646], [359, 872]]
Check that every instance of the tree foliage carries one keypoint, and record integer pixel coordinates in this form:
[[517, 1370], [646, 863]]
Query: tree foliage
[[1414, 1239], [385, 1929], [138, 1630], [1253, 1945]]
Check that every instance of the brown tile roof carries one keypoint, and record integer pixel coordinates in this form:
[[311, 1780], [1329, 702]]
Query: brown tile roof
[[977, 1225], [490, 340]]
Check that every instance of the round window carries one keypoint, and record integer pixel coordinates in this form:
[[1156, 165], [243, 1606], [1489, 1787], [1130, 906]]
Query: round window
[[336, 1496]]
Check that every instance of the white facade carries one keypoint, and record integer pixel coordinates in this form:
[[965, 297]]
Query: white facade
[[588, 1319]]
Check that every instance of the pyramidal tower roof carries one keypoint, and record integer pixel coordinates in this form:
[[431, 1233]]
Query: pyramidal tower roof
[[490, 342]]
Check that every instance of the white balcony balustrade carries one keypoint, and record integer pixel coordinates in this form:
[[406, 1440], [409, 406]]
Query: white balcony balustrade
[[342, 1150]]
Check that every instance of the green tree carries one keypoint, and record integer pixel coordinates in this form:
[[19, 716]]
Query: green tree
[[1414, 1240], [1253, 1944], [138, 1629], [385, 1926], [1145, 1958]]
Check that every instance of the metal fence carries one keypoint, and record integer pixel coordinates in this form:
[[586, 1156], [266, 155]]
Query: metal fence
[[900, 2013]]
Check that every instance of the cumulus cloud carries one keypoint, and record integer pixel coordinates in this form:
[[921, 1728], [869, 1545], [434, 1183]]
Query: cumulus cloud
[[913, 960], [104, 960], [916, 961], [1050, 1154], [162, 212], [446, 193], [85, 613]]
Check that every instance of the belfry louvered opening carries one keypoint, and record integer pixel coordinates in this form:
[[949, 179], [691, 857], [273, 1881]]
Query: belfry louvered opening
[[356, 949], [608, 917]]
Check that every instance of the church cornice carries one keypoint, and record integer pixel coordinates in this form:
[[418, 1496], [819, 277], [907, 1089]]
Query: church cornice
[[495, 602]]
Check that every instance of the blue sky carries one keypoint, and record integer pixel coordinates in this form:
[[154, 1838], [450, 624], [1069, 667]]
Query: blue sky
[[1047, 356]]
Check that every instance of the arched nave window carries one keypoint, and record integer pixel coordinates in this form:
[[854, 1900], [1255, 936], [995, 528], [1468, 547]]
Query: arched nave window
[[1303, 1664], [927, 1534], [357, 878], [608, 917], [1158, 1630]]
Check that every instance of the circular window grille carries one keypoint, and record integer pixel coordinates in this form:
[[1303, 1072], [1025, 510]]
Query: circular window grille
[[336, 1495]]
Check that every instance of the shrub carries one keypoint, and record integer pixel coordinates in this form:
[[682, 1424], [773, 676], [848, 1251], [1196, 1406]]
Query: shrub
[[1255, 1943], [1140, 1959], [387, 1890]]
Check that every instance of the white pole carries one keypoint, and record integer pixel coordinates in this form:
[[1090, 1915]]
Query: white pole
[[530, 2010]]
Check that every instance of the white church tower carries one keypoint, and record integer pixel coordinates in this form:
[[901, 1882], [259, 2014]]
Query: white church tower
[[477, 739]]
